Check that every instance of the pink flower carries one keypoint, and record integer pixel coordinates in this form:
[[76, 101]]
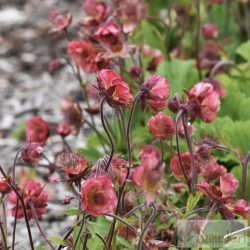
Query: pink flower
[[93, 98], [212, 170], [130, 13], [157, 58], [73, 165], [37, 130], [119, 169], [209, 55], [217, 87], [186, 162], [181, 131], [98, 195], [203, 102], [32, 192], [96, 11], [154, 93], [136, 176], [161, 126], [209, 31], [31, 153], [109, 35], [4, 186], [60, 21], [55, 65], [149, 156], [228, 183], [216, 196], [73, 116], [241, 207], [63, 129], [112, 87], [82, 53]]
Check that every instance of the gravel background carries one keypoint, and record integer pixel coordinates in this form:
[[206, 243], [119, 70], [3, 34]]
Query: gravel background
[[27, 88]]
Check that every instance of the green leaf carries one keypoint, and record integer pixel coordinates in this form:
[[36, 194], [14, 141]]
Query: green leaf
[[58, 241], [94, 244], [19, 132], [192, 202], [90, 153], [180, 74], [75, 234], [125, 243], [100, 226], [72, 212], [244, 50]]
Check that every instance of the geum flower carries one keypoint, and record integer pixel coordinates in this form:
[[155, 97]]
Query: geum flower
[[31, 153], [113, 88], [109, 34], [73, 116], [130, 13], [217, 197], [98, 195], [82, 53], [73, 165], [203, 102], [96, 12], [154, 92], [37, 130], [60, 21], [119, 170], [242, 208], [210, 31], [176, 169], [31, 192], [149, 175], [161, 126], [4, 186]]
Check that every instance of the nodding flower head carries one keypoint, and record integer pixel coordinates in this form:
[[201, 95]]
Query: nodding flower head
[[109, 34], [31, 153], [113, 88], [60, 21], [32, 192], [161, 126], [37, 130], [4, 186], [73, 116], [73, 165], [175, 165], [154, 92], [209, 31], [98, 195], [203, 102]]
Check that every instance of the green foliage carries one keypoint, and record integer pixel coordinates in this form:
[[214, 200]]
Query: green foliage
[[72, 212], [58, 241], [19, 132], [181, 74], [192, 201], [244, 50]]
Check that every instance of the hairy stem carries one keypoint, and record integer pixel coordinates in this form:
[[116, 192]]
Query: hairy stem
[[145, 228], [108, 134], [178, 116], [122, 221], [34, 215], [14, 226], [14, 166], [244, 176], [4, 240], [197, 38], [190, 149], [112, 228]]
